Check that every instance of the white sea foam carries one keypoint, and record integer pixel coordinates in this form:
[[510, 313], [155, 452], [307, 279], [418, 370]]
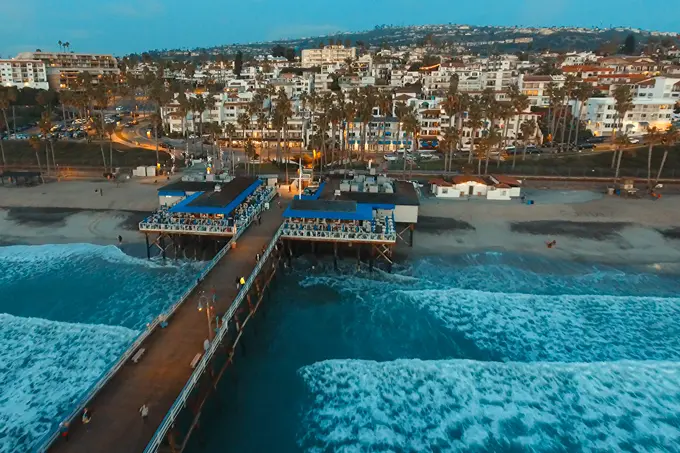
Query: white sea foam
[[45, 368], [460, 405], [566, 328]]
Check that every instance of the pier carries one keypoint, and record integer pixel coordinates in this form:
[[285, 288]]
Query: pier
[[175, 365], [164, 367]]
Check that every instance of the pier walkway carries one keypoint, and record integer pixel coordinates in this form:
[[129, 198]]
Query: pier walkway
[[161, 373]]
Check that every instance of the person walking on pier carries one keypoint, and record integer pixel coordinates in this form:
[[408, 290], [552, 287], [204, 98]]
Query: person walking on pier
[[63, 430], [144, 411], [86, 418]]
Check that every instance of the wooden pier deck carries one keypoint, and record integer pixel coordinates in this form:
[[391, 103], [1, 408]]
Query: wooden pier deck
[[157, 379]]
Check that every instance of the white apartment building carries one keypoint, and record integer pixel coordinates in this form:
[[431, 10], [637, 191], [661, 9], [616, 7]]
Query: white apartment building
[[23, 74], [667, 88], [328, 54], [599, 116], [536, 87], [63, 68]]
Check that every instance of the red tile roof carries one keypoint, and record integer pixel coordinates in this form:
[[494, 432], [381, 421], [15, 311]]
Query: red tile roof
[[461, 179], [507, 180], [440, 182]]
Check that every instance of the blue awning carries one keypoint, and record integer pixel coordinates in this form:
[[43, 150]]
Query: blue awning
[[183, 206], [363, 212]]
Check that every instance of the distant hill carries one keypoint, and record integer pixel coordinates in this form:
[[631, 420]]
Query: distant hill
[[452, 38]]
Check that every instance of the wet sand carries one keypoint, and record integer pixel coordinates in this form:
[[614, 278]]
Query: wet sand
[[587, 225]]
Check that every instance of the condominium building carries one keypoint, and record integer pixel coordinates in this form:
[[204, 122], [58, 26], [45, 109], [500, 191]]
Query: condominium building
[[599, 115], [23, 74], [328, 54], [64, 68], [536, 87], [659, 88]]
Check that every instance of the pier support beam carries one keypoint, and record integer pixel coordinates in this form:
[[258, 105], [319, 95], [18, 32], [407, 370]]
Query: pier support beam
[[148, 250], [413, 227], [335, 256], [371, 258], [161, 240], [358, 256]]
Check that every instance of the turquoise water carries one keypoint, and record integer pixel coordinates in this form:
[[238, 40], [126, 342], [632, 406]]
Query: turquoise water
[[67, 312], [479, 352]]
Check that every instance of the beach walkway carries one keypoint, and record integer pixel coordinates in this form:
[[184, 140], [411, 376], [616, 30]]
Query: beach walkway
[[159, 376]]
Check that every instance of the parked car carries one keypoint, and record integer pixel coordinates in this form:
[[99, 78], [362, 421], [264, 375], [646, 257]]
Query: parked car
[[634, 140], [582, 146], [390, 157], [596, 140]]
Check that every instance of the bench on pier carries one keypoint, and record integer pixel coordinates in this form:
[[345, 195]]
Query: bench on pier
[[138, 355], [194, 362]]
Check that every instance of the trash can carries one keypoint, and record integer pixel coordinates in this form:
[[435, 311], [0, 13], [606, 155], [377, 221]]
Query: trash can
[[610, 191], [530, 202], [233, 245]]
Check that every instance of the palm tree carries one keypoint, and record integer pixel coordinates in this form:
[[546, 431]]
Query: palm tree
[[400, 111], [621, 142], [384, 102], [451, 136], [368, 101], [7, 96], [411, 127], [61, 44], [284, 110], [335, 117], [474, 122], [35, 144], [487, 143], [528, 130], [243, 121], [45, 125], [584, 91], [230, 131], [670, 138], [624, 102], [653, 137], [110, 129]]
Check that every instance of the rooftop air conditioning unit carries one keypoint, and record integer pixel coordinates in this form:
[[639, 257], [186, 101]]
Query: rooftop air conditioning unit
[[218, 188]]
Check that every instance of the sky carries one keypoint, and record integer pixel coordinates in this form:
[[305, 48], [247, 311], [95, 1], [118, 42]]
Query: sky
[[124, 26]]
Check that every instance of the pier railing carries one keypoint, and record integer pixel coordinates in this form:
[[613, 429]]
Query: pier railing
[[180, 402], [349, 236], [199, 228], [47, 440]]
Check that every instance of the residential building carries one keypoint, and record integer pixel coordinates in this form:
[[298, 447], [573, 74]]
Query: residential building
[[536, 87], [23, 74], [599, 116], [327, 54], [659, 88], [64, 68]]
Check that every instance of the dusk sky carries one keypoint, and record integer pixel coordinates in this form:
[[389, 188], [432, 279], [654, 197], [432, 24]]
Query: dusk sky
[[124, 26]]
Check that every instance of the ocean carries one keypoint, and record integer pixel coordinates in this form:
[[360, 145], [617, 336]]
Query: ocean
[[478, 352], [67, 313]]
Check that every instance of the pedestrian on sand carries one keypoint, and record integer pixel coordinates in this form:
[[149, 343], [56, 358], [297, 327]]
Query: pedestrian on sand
[[144, 411]]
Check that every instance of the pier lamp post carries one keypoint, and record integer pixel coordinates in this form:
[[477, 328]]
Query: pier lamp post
[[205, 304]]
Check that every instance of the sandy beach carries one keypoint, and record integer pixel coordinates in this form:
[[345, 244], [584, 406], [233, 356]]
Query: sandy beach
[[587, 225], [75, 211]]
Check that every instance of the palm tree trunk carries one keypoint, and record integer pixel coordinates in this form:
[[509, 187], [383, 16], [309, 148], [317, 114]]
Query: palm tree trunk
[[472, 146], [2, 151], [155, 136], [514, 157], [614, 157], [4, 114], [101, 147], [54, 162], [486, 161], [618, 166], [663, 162], [47, 156], [649, 166], [37, 157], [285, 150], [111, 153], [14, 120], [578, 123]]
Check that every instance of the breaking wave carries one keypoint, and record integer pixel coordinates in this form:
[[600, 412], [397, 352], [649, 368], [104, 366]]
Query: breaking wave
[[462, 405]]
